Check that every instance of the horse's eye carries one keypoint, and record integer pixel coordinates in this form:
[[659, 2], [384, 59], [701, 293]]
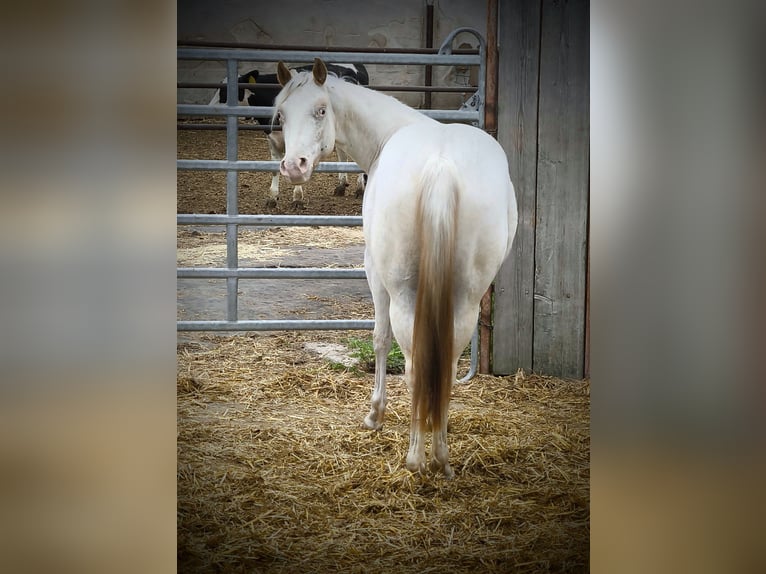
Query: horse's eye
[[321, 112]]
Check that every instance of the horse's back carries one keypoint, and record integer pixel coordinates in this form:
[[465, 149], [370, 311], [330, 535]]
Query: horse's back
[[477, 157], [486, 201]]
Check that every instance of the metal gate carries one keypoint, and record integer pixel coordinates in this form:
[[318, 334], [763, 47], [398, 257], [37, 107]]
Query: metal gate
[[231, 165]]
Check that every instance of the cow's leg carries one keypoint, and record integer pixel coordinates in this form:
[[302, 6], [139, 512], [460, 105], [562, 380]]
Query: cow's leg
[[298, 198], [340, 189], [361, 183], [277, 150]]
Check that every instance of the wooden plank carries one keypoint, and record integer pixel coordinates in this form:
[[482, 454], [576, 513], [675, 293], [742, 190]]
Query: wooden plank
[[490, 126], [518, 63], [586, 360], [562, 190]]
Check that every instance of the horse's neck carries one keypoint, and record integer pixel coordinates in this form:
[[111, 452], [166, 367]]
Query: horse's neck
[[366, 119]]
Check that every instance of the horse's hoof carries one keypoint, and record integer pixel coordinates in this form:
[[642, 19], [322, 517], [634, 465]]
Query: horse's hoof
[[340, 190], [416, 466], [436, 467], [371, 423], [271, 203], [297, 204]]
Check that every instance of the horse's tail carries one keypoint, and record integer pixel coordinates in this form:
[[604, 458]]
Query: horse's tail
[[433, 332]]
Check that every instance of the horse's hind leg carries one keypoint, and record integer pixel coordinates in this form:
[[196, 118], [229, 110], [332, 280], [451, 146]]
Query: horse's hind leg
[[402, 314], [416, 455], [439, 448], [381, 341], [465, 321]]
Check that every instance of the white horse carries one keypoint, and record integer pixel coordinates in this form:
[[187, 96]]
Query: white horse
[[259, 93], [439, 217]]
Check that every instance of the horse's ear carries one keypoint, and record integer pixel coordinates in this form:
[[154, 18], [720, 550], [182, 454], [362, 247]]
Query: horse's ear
[[283, 73], [320, 71]]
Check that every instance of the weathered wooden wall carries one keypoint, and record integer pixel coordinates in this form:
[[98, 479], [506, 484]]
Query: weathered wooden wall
[[325, 23], [543, 124]]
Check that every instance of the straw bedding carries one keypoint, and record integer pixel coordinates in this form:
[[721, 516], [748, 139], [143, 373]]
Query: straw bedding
[[276, 473]]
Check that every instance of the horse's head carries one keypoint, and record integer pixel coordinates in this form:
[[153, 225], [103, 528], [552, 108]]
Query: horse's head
[[308, 125]]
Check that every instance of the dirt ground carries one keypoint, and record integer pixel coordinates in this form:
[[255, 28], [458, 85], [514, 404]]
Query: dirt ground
[[205, 191]]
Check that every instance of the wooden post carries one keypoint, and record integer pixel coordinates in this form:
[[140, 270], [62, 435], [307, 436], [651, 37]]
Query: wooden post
[[518, 75], [540, 321], [485, 331], [490, 104], [562, 190], [429, 44], [490, 125]]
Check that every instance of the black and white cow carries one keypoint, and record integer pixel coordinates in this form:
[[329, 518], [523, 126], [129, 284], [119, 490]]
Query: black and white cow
[[258, 94], [262, 95]]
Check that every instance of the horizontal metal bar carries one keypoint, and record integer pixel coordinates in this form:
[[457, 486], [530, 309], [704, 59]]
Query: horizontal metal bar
[[278, 325], [386, 88], [270, 220], [225, 165], [224, 110], [270, 273], [266, 112], [222, 127], [301, 56], [364, 50], [451, 115], [272, 166]]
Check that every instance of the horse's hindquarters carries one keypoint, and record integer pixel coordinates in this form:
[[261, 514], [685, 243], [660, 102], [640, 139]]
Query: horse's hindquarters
[[486, 210]]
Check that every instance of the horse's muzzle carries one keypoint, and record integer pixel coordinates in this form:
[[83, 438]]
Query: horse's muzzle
[[296, 171]]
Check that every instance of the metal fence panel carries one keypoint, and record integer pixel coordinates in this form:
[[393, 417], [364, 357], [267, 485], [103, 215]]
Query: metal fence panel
[[231, 165]]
